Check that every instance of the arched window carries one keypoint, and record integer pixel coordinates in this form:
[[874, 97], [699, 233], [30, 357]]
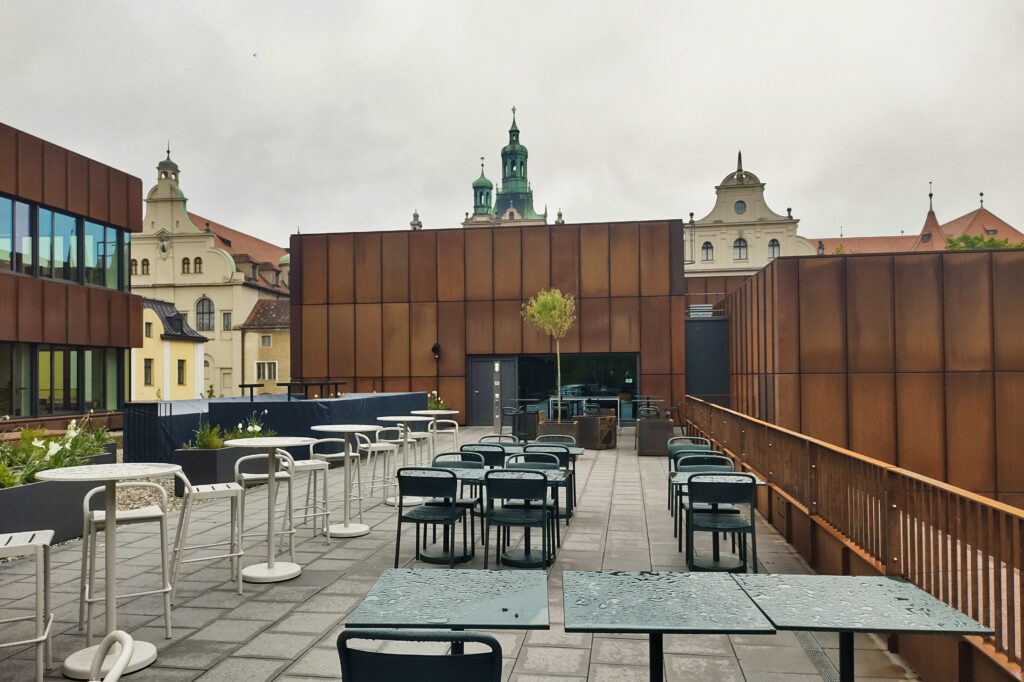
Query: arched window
[[197, 265], [185, 266], [707, 251], [774, 250], [134, 267], [204, 315], [145, 266], [739, 249]]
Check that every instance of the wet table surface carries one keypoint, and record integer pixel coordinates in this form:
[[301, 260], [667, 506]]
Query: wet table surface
[[839, 603], [554, 476], [680, 478], [456, 599]]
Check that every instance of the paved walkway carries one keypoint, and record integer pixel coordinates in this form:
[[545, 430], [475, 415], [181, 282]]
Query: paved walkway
[[287, 631]]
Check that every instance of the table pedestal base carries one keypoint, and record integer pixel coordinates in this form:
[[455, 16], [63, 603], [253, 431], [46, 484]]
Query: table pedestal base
[[76, 666], [730, 564], [263, 573], [407, 501], [443, 556], [520, 558], [348, 530]]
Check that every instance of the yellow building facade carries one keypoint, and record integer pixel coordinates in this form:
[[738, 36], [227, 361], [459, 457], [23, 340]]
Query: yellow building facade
[[169, 366], [266, 345]]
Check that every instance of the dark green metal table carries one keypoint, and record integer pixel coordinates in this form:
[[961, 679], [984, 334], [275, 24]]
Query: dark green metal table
[[456, 599], [852, 604], [657, 603]]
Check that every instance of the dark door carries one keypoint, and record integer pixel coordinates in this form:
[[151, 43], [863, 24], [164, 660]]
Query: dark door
[[482, 388], [707, 359]]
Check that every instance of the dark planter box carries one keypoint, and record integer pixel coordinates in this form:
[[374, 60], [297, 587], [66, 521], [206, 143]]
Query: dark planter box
[[524, 426], [653, 435], [213, 466], [49, 505], [597, 432], [546, 428]]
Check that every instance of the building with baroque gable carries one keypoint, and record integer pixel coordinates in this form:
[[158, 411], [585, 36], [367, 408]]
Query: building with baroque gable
[[211, 273]]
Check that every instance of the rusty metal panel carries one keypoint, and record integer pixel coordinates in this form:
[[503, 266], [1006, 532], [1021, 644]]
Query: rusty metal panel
[[30, 167], [55, 312], [9, 306], [314, 341], [869, 322], [119, 319], [396, 384], [594, 261], [654, 252], [655, 335], [479, 265], [873, 415], [119, 198], [921, 423], [395, 337], [295, 284], [394, 267], [55, 176], [787, 401], [917, 284], [295, 324], [624, 257], [594, 324], [508, 327], [78, 184], [508, 254], [314, 269], [1009, 406], [134, 204], [8, 159], [451, 335], [422, 337], [822, 315], [78, 316], [453, 391], [967, 311], [565, 259], [341, 340], [134, 319], [368, 340], [1008, 309], [479, 328], [99, 317], [341, 283], [676, 258], [970, 431], [823, 410], [536, 259], [368, 269], [624, 325], [423, 266], [451, 266], [786, 308], [99, 191]]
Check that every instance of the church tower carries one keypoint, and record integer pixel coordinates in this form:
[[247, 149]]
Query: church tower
[[515, 198]]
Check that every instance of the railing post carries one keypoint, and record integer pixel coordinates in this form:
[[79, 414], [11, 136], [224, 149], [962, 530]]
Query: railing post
[[892, 513], [813, 479]]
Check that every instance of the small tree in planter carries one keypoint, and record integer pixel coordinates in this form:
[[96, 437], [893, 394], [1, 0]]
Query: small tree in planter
[[554, 314]]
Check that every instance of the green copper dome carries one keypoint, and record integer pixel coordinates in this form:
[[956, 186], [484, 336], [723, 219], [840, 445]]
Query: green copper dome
[[482, 182], [286, 259], [167, 164]]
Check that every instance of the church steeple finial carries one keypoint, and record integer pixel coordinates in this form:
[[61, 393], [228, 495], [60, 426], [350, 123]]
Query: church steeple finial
[[168, 149], [739, 161], [930, 196], [981, 198]]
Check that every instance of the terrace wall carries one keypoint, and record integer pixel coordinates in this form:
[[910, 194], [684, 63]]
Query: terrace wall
[[914, 359]]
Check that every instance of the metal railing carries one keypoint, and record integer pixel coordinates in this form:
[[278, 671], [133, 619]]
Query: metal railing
[[963, 548]]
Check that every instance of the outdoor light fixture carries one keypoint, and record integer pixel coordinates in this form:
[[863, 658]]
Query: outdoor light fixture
[[436, 350]]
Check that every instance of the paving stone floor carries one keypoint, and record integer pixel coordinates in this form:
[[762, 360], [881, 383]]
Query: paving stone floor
[[287, 631]]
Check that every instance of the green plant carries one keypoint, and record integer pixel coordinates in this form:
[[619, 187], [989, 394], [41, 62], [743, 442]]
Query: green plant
[[207, 437], [252, 427], [210, 392], [553, 313], [980, 241], [34, 451], [434, 402]]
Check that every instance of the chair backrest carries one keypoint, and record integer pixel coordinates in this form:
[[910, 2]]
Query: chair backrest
[[648, 412], [120, 663], [443, 426], [715, 459], [722, 488], [519, 484], [546, 447], [159, 490], [359, 665], [426, 482], [556, 438], [533, 460], [493, 454], [560, 452], [499, 438], [459, 460], [695, 441], [284, 461], [391, 434], [337, 446]]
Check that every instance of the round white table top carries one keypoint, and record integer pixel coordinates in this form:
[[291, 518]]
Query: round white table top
[[269, 442], [437, 413], [346, 428], [109, 472], [407, 418]]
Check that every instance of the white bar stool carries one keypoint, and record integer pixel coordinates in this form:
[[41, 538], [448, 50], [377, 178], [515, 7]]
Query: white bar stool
[[127, 644], [211, 491], [315, 507], [448, 427], [246, 479], [94, 523], [339, 456], [36, 543]]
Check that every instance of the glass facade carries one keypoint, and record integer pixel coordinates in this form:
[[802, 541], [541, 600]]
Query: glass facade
[[40, 380]]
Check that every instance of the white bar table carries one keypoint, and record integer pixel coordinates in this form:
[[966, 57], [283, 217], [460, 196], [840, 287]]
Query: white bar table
[[272, 571], [76, 666], [408, 500], [434, 414], [346, 529]]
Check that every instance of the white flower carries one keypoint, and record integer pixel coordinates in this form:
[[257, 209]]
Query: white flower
[[53, 450], [264, 411], [39, 443], [250, 429], [239, 427], [257, 428]]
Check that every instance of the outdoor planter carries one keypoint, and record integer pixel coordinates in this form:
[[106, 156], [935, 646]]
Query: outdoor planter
[[653, 435], [205, 466], [597, 432], [49, 505], [546, 428]]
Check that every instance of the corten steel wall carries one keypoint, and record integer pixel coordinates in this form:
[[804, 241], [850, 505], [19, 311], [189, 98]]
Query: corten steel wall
[[913, 359], [368, 306], [713, 290], [38, 310]]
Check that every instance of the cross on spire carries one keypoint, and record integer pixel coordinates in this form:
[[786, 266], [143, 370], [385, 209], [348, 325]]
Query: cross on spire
[[929, 195]]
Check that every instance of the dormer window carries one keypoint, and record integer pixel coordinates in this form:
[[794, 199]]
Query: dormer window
[[255, 271], [925, 238], [277, 278]]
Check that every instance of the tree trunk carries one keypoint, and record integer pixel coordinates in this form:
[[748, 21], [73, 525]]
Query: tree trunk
[[558, 377]]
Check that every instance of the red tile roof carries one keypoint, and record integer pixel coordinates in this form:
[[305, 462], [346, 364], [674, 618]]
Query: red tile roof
[[932, 236], [245, 248], [269, 314]]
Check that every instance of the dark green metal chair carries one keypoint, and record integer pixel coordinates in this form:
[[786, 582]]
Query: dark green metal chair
[[436, 483], [711, 491], [359, 665], [528, 487]]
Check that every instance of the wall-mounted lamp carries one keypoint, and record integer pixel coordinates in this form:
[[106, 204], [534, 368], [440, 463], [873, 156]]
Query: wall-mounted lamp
[[436, 350]]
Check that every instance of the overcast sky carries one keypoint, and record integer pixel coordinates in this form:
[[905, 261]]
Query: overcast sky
[[346, 116]]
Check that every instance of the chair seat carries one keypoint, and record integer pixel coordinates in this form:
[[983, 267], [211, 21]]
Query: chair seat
[[521, 504], [703, 507], [149, 513], [462, 502], [517, 517], [280, 475], [212, 491], [439, 513], [418, 435], [719, 522], [310, 464], [15, 544], [380, 447]]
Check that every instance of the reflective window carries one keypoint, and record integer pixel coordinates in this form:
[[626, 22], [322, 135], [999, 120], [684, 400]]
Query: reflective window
[[45, 242], [126, 251], [6, 230], [204, 315], [94, 379], [111, 259], [774, 250], [22, 238], [65, 247], [95, 236], [134, 267], [739, 249], [707, 251]]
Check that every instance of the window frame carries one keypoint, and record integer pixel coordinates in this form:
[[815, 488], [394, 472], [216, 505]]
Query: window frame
[[182, 373], [268, 338], [265, 370], [774, 249], [205, 320], [740, 249], [707, 252], [147, 371]]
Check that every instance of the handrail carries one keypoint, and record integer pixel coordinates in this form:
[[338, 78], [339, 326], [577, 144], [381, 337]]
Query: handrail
[[961, 547]]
